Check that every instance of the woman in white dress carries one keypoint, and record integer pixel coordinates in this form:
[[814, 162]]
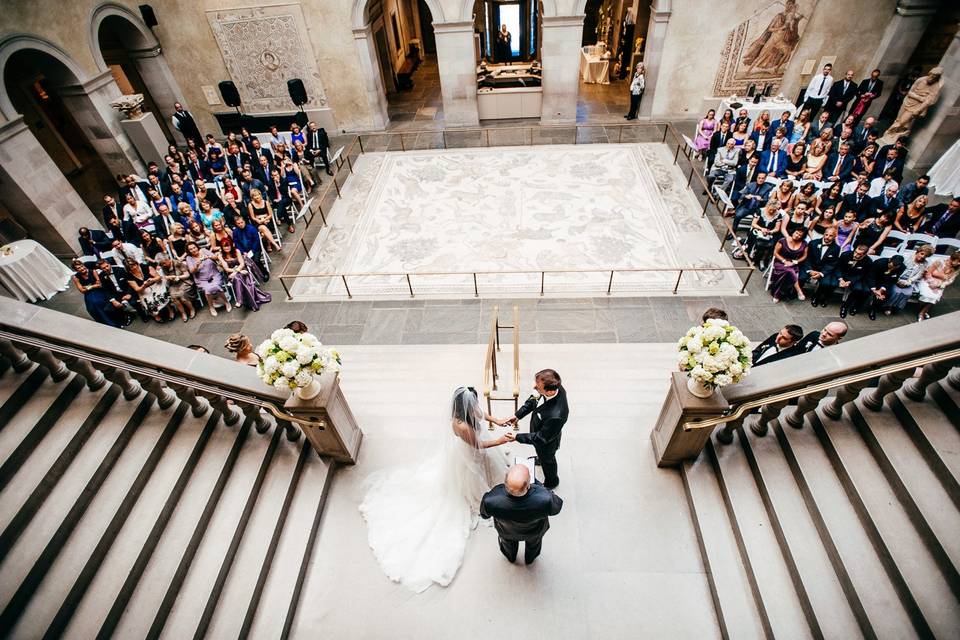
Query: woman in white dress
[[419, 517]]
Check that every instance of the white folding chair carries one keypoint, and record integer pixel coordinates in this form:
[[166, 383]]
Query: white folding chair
[[688, 143], [723, 197], [336, 158], [302, 213], [893, 243], [914, 240], [946, 246], [775, 181]]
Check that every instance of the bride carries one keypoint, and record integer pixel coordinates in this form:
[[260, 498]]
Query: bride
[[419, 517]]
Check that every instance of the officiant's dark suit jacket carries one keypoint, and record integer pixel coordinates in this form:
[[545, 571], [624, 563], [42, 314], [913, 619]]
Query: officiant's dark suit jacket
[[520, 518], [546, 422]]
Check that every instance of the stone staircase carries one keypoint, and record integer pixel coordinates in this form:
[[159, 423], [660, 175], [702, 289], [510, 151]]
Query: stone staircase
[[119, 518], [845, 526]]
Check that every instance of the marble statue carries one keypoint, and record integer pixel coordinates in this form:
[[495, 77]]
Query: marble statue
[[131, 106], [923, 94]]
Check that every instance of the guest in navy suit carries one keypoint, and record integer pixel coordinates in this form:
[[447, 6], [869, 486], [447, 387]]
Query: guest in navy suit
[[761, 138], [839, 165], [841, 93], [889, 162], [774, 161]]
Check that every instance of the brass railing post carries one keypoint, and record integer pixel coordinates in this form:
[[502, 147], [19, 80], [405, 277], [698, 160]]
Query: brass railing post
[[542, 277], [610, 282], [443, 134], [690, 177], [409, 286], [620, 135], [323, 218], [360, 140], [283, 283], [664, 140], [677, 283], [349, 295], [745, 282], [402, 147], [305, 250], [337, 186], [476, 291], [488, 138], [349, 164]]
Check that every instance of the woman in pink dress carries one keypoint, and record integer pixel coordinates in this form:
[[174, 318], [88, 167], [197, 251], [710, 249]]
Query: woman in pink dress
[[704, 132]]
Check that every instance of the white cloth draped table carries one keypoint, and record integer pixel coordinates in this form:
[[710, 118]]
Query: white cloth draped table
[[31, 272], [593, 68], [754, 110], [945, 174]]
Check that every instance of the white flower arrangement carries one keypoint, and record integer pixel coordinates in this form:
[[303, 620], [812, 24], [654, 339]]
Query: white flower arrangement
[[715, 353], [291, 360]]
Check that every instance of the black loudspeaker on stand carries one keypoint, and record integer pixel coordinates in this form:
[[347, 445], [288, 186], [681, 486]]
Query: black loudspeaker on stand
[[298, 93], [149, 17]]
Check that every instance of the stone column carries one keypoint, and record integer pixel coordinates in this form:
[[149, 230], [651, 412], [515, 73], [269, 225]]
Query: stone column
[[372, 78], [89, 104], [37, 193], [560, 58], [147, 137], [933, 135], [161, 83], [458, 73], [653, 53]]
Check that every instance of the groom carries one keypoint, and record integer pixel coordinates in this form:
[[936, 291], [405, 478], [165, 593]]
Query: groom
[[521, 511], [549, 415]]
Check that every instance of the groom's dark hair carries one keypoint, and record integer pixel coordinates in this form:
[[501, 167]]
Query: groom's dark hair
[[549, 378]]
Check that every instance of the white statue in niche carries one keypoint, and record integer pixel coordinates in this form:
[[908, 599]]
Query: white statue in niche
[[130, 106]]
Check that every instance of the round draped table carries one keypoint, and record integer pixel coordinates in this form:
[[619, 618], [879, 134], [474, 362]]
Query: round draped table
[[945, 174], [594, 69], [30, 272]]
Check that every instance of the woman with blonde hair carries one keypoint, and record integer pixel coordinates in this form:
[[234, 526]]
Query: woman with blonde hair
[[940, 275], [262, 215], [816, 158], [910, 216]]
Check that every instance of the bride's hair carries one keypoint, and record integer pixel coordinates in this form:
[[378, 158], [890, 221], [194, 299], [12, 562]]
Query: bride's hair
[[466, 407]]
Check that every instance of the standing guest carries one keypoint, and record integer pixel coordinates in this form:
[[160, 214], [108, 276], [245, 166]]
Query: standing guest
[[150, 289], [831, 334], [548, 412], [909, 192], [911, 216], [854, 278], [886, 273], [841, 93], [206, 274], [778, 346], [241, 278], [95, 299], [820, 267], [636, 93], [520, 510], [788, 254], [943, 220], [869, 90], [940, 275], [909, 281], [184, 123], [179, 285], [242, 349], [705, 129], [319, 146], [818, 90]]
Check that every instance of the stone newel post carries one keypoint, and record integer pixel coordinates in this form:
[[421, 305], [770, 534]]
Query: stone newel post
[[340, 436], [671, 444]]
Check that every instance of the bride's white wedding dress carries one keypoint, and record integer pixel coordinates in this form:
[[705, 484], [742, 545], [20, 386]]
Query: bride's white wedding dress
[[419, 517]]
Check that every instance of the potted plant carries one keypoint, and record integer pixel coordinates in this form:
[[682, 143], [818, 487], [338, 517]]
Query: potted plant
[[294, 361], [714, 355]]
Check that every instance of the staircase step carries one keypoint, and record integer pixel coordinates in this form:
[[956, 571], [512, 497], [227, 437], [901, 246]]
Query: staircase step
[[829, 613], [135, 542], [948, 400], [27, 404], [730, 584], [11, 380], [170, 559], [935, 437], [17, 391], [844, 537], [920, 492], [889, 527], [258, 548], [81, 553], [758, 541]]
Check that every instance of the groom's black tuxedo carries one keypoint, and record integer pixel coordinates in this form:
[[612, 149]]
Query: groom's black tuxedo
[[546, 424], [520, 518]]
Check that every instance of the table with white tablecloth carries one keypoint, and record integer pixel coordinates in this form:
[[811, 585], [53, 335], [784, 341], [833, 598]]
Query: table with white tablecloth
[[775, 107], [30, 272], [945, 174], [594, 69]]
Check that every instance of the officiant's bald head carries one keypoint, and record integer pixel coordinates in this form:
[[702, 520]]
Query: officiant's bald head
[[517, 482]]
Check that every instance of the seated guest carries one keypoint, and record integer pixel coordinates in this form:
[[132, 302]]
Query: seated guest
[[819, 224], [208, 214], [855, 181], [197, 167], [774, 161], [203, 194], [124, 231], [784, 122], [717, 141], [839, 165], [788, 254], [120, 252], [914, 271], [247, 183], [879, 185], [847, 231], [778, 346], [261, 171], [95, 299], [795, 219], [198, 234], [866, 160], [764, 233], [901, 146], [150, 289], [742, 117], [179, 284], [111, 209], [153, 248], [887, 201], [740, 134], [761, 137], [241, 277], [822, 123], [220, 234], [751, 199], [943, 220], [820, 267], [858, 202], [886, 273], [873, 231], [237, 160], [724, 165], [910, 191], [800, 128], [231, 209], [816, 161], [763, 120], [92, 243], [746, 173], [291, 175], [780, 135], [909, 217], [830, 198], [113, 280], [940, 275], [278, 194], [217, 166], [261, 214], [797, 160], [861, 131], [247, 239], [783, 194], [831, 334], [139, 213], [854, 277], [205, 269], [888, 162], [164, 221], [178, 196], [177, 242], [807, 195], [257, 152]]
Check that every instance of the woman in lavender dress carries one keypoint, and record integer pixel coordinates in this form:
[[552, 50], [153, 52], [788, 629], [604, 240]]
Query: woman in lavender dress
[[206, 273], [704, 132], [240, 274], [787, 256]]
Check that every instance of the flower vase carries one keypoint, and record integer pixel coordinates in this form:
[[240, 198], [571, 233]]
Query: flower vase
[[310, 391], [698, 389]]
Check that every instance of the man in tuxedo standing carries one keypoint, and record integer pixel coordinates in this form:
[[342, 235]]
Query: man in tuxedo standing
[[868, 91], [318, 144], [184, 123], [841, 93], [818, 90], [549, 413], [521, 510]]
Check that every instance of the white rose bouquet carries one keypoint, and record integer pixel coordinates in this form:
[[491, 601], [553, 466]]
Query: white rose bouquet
[[715, 354], [290, 360]]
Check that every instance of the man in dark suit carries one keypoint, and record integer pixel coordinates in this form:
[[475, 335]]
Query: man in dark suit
[[910, 192], [778, 346], [746, 173], [742, 117], [887, 201], [943, 220], [184, 123], [854, 276], [164, 221], [549, 414], [113, 281], [774, 161], [257, 152], [823, 122], [868, 91], [841, 93], [900, 144], [237, 158], [862, 131], [839, 165], [249, 182], [761, 138], [111, 209], [831, 334], [197, 168], [820, 267], [318, 144], [858, 202], [784, 122], [752, 198], [889, 161], [521, 511]]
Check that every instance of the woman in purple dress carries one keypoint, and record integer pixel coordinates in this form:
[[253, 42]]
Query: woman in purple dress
[[787, 256], [240, 275], [206, 273], [704, 132]]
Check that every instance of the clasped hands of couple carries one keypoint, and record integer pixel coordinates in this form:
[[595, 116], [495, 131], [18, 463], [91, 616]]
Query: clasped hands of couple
[[509, 436]]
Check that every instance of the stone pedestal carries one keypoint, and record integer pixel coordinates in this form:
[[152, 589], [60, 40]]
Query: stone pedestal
[[458, 73], [340, 436], [147, 137], [671, 444], [560, 57]]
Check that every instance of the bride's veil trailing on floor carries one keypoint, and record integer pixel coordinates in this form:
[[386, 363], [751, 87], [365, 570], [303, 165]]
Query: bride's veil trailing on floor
[[420, 515]]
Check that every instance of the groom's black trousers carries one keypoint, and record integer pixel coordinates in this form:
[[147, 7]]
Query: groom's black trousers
[[547, 457]]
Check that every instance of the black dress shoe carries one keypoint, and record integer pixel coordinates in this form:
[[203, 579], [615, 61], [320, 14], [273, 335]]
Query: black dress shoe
[[814, 302], [843, 312], [329, 173], [853, 311], [872, 314]]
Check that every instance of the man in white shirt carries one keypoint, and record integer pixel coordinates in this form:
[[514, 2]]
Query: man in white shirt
[[879, 186], [818, 90], [859, 178]]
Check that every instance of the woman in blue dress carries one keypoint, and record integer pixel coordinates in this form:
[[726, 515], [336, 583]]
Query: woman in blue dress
[[95, 298]]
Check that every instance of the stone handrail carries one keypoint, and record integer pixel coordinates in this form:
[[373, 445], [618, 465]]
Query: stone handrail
[[686, 422]]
